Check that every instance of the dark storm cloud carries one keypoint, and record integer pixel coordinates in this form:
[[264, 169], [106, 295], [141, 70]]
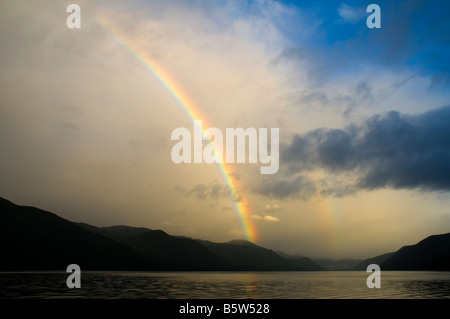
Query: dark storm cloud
[[329, 148], [392, 150]]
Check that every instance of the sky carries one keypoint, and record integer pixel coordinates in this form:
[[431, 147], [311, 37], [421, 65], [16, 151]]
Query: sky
[[86, 116]]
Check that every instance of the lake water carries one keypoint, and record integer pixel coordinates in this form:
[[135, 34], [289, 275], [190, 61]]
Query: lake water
[[227, 285]]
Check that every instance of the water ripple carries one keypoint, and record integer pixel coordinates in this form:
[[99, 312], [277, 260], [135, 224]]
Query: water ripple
[[229, 285]]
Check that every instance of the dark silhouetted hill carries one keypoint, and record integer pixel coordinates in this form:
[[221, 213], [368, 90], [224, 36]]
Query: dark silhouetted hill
[[432, 253], [245, 255], [34, 239], [184, 252], [117, 233], [189, 254], [379, 260]]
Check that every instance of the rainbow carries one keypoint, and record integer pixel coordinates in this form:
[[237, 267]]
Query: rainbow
[[182, 100], [329, 212]]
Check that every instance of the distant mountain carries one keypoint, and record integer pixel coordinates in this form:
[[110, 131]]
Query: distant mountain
[[245, 255], [338, 264], [379, 260], [303, 262], [432, 253], [33, 239]]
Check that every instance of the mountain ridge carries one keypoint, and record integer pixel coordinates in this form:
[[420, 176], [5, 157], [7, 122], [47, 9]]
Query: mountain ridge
[[431, 253], [31, 238], [35, 239]]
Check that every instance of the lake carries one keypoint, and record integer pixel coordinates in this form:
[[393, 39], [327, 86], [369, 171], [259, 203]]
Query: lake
[[227, 285]]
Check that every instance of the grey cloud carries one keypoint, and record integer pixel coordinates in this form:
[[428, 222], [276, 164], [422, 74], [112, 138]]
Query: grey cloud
[[300, 187], [361, 95], [336, 187], [440, 80], [214, 191]]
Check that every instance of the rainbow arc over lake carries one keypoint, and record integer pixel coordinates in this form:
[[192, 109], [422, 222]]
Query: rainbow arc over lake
[[184, 102]]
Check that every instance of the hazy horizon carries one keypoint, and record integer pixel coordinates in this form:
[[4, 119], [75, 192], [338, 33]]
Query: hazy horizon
[[86, 117]]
